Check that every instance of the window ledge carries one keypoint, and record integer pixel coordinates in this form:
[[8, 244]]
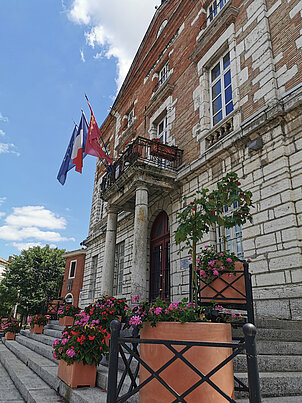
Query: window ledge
[[162, 92], [211, 33], [222, 129]]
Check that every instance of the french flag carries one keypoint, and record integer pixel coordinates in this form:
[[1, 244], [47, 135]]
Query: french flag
[[79, 144]]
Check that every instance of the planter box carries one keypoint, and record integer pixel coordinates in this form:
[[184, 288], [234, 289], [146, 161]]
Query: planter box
[[77, 374], [209, 291], [66, 321], [10, 336], [37, 329], [162, 151], [178, 375]]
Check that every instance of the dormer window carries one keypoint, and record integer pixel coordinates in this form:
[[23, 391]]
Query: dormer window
[[214, 8], [163, 74]]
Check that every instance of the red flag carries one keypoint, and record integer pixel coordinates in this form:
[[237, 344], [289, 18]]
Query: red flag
[[93, 146]]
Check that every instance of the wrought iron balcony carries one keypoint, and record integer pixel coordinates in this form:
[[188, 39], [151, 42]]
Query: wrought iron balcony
[[151, 152]]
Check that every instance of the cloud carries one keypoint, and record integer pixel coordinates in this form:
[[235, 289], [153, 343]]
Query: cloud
[[2, 214], [82, 56], [8, 149], [117, 33], [25, 223], [2, 200], [25, 246], [3, 118], [2, 133], [37, 216]]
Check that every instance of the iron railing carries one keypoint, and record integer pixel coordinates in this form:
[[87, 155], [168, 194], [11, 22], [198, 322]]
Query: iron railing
[[51, 308], [242, 298], [151, 152], [124, 345]]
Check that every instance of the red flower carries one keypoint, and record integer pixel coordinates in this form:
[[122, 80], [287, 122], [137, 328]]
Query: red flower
[[212, 211], [74, 333], [91, 337]]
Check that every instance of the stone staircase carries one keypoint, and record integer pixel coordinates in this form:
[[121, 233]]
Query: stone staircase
[[31, 367]]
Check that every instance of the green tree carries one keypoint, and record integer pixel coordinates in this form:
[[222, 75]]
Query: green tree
[[33, 277]]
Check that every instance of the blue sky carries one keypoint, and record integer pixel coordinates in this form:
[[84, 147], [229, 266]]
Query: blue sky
[[52, 53]]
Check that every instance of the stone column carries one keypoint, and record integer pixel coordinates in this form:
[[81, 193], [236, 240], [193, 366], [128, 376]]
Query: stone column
[[109, 255], [139, 262]]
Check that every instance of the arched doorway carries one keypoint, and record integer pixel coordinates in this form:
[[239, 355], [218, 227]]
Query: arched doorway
[[160, 258]]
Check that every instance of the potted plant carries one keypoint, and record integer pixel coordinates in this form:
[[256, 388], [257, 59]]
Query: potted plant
[[37, 323], [183, 321], [79, 351], [10, 329], [66, 314], [208, 209]]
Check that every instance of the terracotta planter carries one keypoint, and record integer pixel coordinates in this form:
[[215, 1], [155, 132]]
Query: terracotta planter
[[209, 291], [10, 336], [37, 329], [178, 375], [77, 374], [66, 321], [162, 151]]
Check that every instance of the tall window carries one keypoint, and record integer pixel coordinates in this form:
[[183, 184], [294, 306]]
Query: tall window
[[119, 269], [214, 9], [163, 74], [230, 239], [72, 269], [162, 130], [130, 118], [221, 89]]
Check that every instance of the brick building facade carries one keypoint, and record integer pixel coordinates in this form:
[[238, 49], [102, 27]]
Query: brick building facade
[[221, 81], [73, 276]]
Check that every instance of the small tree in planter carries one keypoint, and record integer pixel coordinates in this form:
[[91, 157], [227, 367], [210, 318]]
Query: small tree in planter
[[79, 351], [38, 322], [208, 209], [10, 329]]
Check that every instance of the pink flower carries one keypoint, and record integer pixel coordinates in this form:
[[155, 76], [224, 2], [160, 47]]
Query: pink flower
[[158, 310], [233, 315], [135, 299], [206, 246], [70, 352], [55, 356], [229, 260], [202, 272], [64, 341], [220, 254], [215, 272], [29, 319], [57, 341], [248, 260], [135, 320]]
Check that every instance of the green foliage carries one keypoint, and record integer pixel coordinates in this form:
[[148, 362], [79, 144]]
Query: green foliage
[[32, 277], [68, 310], [40, 320], [13, 327]]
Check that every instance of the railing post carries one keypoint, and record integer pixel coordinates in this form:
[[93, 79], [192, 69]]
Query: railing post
[[250, 331], [249, 293], [115, 327]]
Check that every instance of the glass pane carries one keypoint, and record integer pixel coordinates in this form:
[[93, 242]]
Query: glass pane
[[228, 94], [215, 7], [227, 79], [226, 60], [217, 118], [215, 72], [159, 229], [229, 108], [217, 105], [216, 89]]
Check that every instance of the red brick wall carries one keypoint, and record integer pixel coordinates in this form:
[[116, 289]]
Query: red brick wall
[[77, 281]]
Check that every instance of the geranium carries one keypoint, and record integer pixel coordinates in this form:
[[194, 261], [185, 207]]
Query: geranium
[[12, 327], [68, 310], [81, 344], [40, 320]]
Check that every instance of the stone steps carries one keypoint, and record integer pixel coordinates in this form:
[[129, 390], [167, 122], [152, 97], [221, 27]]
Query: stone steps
[[36, 377], [8, 391]]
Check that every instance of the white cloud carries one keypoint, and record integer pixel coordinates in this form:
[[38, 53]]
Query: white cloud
[[2, 200], [8, 149], [35, 216], [82, 56], [25, 246], [25, 223], [2, 133], [117, 27], [3, 118], [2, 214]]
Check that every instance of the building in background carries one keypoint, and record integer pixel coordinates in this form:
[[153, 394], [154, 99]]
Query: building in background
[[73, 276], [215, 86], [3, 264]]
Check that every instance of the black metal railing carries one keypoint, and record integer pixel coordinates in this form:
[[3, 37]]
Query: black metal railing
[[51, 307], [238, 287], [124, 345], [152, 152]]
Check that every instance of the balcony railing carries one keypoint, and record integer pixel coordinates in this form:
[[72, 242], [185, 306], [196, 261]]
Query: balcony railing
[[151, 152]]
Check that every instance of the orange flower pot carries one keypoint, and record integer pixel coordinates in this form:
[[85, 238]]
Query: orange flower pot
[[210, 291], [10, 336], [77, 374], [66, 321], [178, 375], [37, 329]]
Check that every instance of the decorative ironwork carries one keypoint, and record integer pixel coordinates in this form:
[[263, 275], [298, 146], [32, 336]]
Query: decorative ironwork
[[149, 151], [120, 345], [243, 300]]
